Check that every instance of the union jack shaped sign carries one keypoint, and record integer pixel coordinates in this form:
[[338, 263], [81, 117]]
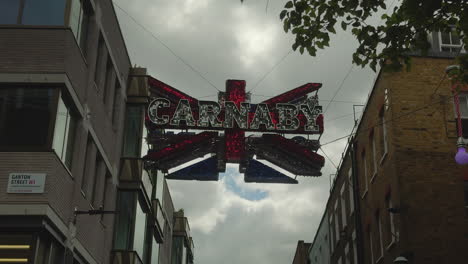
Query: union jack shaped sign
[[223, 139]]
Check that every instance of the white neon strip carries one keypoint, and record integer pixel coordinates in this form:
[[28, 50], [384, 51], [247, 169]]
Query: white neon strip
[[273, 166], [190, 163]]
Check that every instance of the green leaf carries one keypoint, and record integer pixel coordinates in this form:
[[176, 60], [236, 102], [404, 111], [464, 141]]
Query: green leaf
[[301, 49], [283, 14], [289, 4], [344, 25]]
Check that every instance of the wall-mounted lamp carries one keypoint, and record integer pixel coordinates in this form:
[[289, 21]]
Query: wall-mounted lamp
[[401, 260]]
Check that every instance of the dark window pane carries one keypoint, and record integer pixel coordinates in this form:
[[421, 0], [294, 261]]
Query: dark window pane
[[9, 11], [44, 12], [445, 36], [133, 126], [25, 116], [125, 220], [455, 38], [464, 127]]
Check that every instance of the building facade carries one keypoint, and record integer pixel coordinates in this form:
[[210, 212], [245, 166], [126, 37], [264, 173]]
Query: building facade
[[410, 197], [74, 186], [301, 257]]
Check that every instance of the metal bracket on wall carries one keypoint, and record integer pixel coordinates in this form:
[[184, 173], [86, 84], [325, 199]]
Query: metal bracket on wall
[[99, 211]]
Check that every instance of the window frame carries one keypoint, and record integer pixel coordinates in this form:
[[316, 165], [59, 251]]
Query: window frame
[[391, 222], [71, 109], [450, 46], [383, 134]]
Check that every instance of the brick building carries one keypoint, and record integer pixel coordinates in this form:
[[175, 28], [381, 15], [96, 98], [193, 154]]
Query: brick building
[[410, 197], [71, 141], [300, 257]]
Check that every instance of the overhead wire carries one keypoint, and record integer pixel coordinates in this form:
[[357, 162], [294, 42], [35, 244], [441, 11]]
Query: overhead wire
[[167, 47]]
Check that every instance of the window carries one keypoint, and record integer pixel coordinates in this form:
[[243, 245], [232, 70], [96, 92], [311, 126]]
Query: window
[[337, 225], [355, 256], [18, 247], [79, 21], [108, 81], [133, 131], [383, 135], [450, 41], [463, 98], [33, 12], [89, 168], [347, 257], [332, 237], [365, 179], [390, 221], [373, 156], [351, 193], [140, 231], [371, 246], [64, 133], [124, 220], [386, 99], [9, 10], [116, 103], [343, 204], [99, 182], [43, 12], [101, 62], [27, 114], [154, 252], [379, 242]]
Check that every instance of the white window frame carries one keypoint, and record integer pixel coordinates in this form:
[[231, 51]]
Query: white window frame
[[351, 193], [445, 45]]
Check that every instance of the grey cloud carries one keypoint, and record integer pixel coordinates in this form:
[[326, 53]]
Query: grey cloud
[[223, 39]]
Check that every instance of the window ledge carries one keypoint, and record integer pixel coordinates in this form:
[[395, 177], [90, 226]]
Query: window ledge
[[383, 157], [364, 194], [379, 259], [63, 164], [391, 244], [373, 177]]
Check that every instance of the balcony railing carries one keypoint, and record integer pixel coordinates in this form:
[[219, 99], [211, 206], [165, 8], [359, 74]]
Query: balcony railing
[[125, 257], [160, 218]]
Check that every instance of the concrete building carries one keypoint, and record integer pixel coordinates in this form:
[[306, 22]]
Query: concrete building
[[410, 197], [74, 187]]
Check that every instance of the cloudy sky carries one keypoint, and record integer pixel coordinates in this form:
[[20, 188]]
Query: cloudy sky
[[232, 221]]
